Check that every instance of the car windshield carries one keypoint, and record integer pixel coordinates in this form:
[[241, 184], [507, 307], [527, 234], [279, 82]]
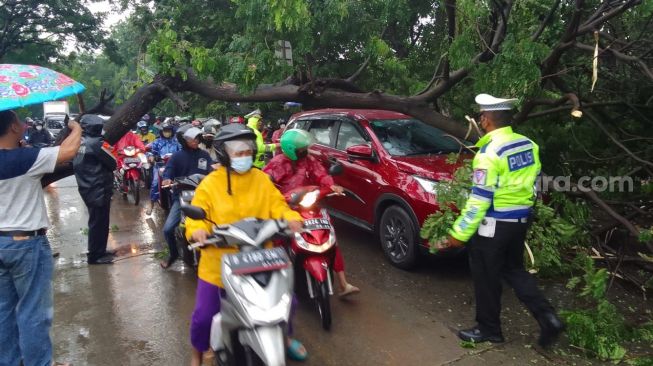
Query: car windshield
[[406, 137]]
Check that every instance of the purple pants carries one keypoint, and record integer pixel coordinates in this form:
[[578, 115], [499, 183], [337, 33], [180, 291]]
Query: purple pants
[[207, 304]]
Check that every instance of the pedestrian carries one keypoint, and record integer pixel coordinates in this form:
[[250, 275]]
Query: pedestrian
[[94, 166], [494, 223], [26, 265]]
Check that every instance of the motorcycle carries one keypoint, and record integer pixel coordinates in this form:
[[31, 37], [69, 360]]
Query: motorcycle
[[186, 187], [250, 328], [314, 248], [127, 178], [165, 196]]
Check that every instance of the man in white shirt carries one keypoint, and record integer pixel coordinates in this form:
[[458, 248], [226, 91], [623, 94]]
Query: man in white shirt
[[26, 266]]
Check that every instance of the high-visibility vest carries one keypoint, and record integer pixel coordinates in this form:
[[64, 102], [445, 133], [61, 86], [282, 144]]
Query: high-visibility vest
[[505, 172]]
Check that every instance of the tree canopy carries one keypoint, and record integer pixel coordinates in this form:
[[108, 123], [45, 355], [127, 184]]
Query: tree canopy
[[32, 30]]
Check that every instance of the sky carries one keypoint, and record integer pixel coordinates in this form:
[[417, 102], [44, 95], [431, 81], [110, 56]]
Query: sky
[[112, 18]]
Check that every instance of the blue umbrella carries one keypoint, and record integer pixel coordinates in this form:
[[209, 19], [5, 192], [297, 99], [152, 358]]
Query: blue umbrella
[[23, 85]]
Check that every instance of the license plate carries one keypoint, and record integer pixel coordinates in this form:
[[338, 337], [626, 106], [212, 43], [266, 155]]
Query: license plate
[[132, 160], [317, 224], [257, 261]]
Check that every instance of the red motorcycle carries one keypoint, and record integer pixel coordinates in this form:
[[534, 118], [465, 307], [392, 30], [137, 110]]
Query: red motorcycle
[[314, 248], [127, 178]]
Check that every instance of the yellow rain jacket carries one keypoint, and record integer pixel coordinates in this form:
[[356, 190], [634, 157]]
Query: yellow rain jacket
[[253, 195]]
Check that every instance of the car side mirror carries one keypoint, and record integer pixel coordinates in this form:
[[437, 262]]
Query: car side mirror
[[194, 212], [336, 168], [363, 151]]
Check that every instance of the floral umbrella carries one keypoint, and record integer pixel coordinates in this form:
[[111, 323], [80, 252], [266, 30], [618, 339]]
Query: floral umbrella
[[23, 85]]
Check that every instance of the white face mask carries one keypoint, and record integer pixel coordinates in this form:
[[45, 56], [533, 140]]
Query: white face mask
[[243, 164], [39, 128]]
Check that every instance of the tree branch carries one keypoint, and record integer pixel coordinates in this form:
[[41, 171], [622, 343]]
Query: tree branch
[[593, 24], [102, 107], [620, 56], [449, 80], [529, 105], [600, 125], [360, 70], [545, 22]]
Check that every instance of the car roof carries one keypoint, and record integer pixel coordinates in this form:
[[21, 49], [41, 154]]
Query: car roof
[[359, 114]]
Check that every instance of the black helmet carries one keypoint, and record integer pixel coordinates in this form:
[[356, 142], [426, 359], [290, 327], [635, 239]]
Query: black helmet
[[92, 125], [180, 135], [232, 131]]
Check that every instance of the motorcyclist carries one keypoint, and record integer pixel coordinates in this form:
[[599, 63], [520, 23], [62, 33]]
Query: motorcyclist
[[39, 135], [255, 122], [242, 192], [189, 160], [165, 144], [129, 139], [296, 168], [208, 133], [144, 133]]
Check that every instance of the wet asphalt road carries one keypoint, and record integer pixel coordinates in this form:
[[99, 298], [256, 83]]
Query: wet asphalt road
[[134, 313]]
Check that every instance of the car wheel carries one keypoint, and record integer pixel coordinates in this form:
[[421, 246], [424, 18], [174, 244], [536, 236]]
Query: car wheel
[[398, 236]]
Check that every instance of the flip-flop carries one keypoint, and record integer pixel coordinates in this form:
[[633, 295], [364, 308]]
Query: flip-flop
[[294, 352], [349, 290]]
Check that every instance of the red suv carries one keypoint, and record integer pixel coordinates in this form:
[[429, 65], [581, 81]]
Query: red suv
[[392, 163]]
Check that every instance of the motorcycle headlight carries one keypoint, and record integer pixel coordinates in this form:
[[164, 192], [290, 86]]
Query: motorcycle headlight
[[309, 199], [129, 151]]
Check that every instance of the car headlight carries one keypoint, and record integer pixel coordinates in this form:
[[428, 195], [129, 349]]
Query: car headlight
[[428, 185]]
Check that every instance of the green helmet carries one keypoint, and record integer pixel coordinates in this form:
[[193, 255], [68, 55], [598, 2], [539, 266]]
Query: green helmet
[[293, 140]]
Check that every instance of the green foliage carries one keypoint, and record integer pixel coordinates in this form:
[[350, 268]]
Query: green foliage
[[598, 328], [646, 236], [41, 27], [449, 196], [556, 228], [514, 71]]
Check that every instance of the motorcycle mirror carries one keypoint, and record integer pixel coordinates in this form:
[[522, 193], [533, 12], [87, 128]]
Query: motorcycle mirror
[[336, 169], [295, 198], [194, 212]]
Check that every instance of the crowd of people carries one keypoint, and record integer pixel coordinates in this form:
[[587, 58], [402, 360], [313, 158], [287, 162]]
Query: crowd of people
[[234, 157]]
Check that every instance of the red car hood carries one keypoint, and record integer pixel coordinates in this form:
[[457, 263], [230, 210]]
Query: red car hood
[[433, 167]]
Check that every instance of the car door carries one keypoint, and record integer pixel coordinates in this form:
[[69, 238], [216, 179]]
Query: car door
[[358, 175]]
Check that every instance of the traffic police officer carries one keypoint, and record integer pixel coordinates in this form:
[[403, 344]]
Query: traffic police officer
[[255, 122], [495, 218]]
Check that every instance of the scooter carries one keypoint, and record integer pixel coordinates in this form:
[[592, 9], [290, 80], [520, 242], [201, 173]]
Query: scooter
[[186, 187], [127, 177], [250, 328], [314, 248]]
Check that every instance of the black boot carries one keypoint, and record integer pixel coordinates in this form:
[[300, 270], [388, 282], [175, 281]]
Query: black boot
[[105, 259], [475, 335], [550, 328]]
